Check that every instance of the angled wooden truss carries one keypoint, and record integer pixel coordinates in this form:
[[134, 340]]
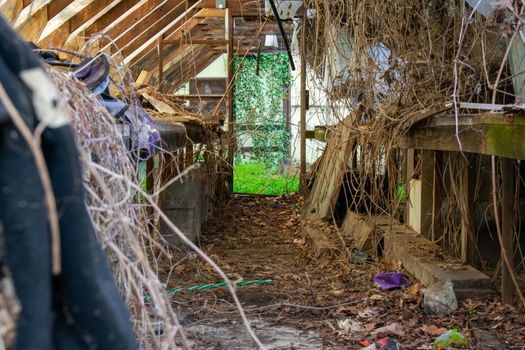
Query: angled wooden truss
[[184, 36]]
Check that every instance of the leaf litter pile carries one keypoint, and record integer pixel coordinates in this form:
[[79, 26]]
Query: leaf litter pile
[[328, 301]]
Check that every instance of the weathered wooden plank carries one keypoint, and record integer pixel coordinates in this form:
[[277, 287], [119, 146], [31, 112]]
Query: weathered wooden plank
[[503, 138], [424, 260], [333, 166], [363, 232], [211, 12]]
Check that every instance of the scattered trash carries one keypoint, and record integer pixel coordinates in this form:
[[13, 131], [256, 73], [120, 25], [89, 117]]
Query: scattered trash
[[440, 298], [450, 338], [349, 326], [391, 280], [383, 344], [358, 257]]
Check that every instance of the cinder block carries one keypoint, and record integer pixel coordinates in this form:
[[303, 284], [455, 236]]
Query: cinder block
[[184, 203]]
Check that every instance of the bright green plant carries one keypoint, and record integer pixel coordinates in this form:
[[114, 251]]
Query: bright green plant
[[258, 107], [255, 178]]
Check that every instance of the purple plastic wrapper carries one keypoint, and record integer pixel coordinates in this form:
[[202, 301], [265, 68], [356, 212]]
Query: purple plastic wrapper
[[148, 137], [391, 280]]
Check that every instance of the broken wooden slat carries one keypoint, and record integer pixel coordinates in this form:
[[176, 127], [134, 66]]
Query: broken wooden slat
[[331, 172], [364, 234]]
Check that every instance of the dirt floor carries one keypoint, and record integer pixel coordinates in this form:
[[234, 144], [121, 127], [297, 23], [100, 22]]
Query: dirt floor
[[324, 302]]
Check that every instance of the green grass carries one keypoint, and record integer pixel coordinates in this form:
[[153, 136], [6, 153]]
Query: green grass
[[255, 178]]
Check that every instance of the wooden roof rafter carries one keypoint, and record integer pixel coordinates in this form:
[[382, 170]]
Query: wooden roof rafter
[[167, 24], [145, 21], [171, 53], [191, 67], [135, 26], [66, 27], [146, 61], [173, 31]]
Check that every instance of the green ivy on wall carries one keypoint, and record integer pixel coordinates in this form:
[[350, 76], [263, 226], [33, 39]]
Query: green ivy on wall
[[258, 107]]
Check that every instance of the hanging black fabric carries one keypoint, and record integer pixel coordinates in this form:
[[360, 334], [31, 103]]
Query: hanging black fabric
[[81, 308]]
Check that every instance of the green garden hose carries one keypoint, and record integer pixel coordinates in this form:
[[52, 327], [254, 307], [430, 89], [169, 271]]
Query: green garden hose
[[211, 286]]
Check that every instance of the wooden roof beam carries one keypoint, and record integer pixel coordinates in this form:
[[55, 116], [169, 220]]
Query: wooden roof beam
[[149, 60], [239, 8], [173, 30], [34, 17], [185, 71], [142, 18], [184, 77], [186, 67], [149, 29], [172, 54], [132, 10], [67, 27], [171, 34], [11, 9]]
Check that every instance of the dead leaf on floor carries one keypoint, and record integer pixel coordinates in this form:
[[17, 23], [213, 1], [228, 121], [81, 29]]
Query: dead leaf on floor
[[390, 264], [433, 330], [376, 297], [414, 289], [393, 329], [338, 292], [299, 241], [369, 313], [348, 310]]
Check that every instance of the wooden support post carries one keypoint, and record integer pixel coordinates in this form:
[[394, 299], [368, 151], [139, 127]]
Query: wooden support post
[[437, 194], [188, 155], [161, 63], [150, 176], [179, 166], [507, 227], [468, 178], [302, 123], [464, 208], [150, 184], [409, 175], [230, 86], [427, 182]]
